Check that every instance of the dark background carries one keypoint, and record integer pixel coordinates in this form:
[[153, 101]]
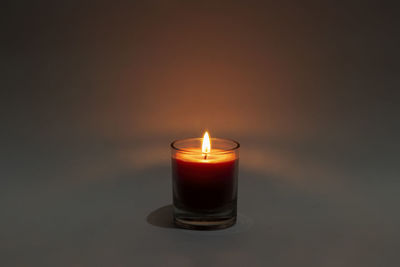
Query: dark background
[[93, 93]]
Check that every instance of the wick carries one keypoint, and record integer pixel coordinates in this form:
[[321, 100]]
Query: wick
[[205, 156]]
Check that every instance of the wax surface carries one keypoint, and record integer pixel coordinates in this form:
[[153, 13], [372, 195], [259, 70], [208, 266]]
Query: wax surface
[[195, 155]]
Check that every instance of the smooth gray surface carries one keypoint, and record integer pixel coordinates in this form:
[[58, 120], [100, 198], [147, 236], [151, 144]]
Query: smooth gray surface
[[92, 95], [82, 209]]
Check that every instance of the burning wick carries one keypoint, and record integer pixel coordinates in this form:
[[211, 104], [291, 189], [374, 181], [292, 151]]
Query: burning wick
[[206, 147]]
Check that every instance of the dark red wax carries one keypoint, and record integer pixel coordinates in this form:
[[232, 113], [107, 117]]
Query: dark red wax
[[204, 186]]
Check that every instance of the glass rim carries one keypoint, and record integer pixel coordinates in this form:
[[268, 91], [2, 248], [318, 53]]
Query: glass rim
[[236, 145]]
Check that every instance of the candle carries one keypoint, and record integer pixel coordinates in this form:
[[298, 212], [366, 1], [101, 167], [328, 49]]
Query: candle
[[204, 173]]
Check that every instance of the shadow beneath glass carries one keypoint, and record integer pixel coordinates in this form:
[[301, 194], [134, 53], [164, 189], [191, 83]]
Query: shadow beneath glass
[[162, 217]]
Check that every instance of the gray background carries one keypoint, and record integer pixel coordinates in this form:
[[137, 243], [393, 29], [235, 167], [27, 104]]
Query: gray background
[[93, 93]]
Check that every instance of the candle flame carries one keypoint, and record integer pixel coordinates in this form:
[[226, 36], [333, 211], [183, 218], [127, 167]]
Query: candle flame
[[206, 148]]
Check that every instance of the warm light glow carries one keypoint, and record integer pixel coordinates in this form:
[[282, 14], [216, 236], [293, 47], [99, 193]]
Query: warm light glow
[[206, 148], [194, 155]]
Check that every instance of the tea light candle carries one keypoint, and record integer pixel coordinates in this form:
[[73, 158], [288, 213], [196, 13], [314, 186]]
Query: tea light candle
[[205, 182]]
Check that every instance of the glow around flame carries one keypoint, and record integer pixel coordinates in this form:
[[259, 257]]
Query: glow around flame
[[206, 147]]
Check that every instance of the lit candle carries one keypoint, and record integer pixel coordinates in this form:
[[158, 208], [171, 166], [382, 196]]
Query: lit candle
[[204, 173]]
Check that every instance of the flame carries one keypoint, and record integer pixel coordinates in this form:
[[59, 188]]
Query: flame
[[206, 147]]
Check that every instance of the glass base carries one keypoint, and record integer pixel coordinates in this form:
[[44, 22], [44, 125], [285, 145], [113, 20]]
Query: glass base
[[193, 224], [205, 219]]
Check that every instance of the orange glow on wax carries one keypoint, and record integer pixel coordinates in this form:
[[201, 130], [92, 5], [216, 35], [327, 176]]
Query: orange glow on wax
[[205, 154], [195, 155]]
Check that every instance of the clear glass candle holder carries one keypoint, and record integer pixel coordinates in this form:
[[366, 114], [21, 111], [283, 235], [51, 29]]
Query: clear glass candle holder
[[205, 185]]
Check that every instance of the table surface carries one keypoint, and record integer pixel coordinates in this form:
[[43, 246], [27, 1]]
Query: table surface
[[94, 94], [83, 207]]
